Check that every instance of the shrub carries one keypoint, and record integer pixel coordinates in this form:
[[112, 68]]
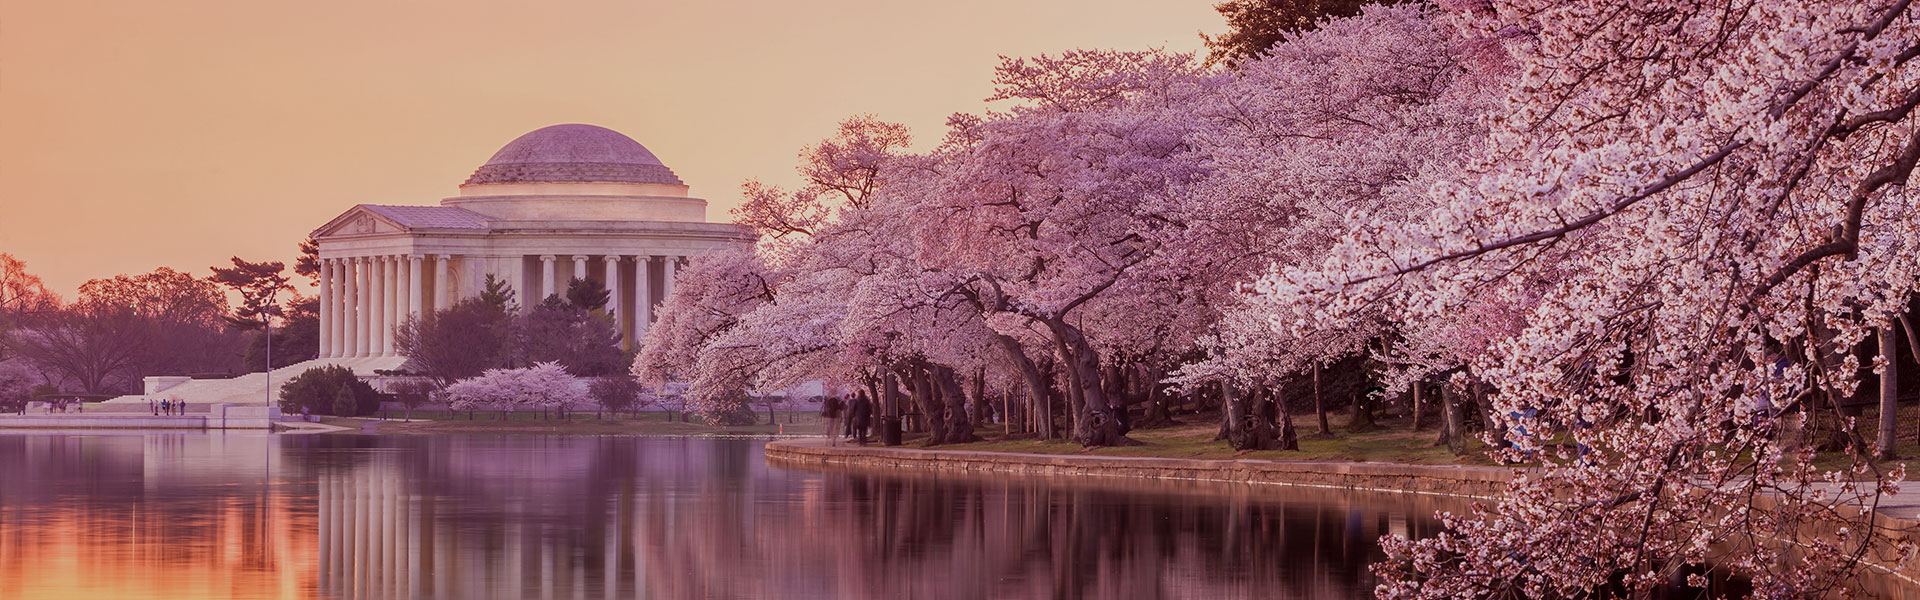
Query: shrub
[[329, 390], [617, 393]]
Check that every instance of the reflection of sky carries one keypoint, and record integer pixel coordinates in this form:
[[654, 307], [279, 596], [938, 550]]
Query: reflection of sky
[[194, 515]]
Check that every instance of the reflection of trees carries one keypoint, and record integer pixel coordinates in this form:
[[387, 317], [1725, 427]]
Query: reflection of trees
[[159, 516], [937, 537]]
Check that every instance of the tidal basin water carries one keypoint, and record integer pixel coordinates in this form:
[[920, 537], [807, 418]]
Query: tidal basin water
[[210, 515]]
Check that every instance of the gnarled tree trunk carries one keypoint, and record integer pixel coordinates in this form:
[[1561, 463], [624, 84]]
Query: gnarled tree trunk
[[1453, 433], [1288, 438], [957, 428], [1095, 423], [1248, 420], [926, 398]]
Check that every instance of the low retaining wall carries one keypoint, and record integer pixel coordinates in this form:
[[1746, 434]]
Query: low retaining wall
[[1442, 480], [218, 416], [103, 421]]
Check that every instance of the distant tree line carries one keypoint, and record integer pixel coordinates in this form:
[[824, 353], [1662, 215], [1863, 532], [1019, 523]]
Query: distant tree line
[[121, 329]]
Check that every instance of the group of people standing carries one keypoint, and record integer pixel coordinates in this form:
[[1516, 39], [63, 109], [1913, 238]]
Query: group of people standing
[[854, 415], [167, 407]]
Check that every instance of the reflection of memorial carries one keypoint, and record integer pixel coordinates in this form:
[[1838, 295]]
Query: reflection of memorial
[[487, 526]]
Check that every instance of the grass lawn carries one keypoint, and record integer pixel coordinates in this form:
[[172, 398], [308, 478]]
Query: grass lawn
[[1390, 442]]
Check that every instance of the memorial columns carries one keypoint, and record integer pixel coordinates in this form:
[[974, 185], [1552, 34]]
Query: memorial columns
[[516, 278], [377, 307], [442, 286], [414, 285], [612, 262], [672, 269], [326, 308], [338, 348], [642, 295], [546, 279], [362, 298], [391, 304]]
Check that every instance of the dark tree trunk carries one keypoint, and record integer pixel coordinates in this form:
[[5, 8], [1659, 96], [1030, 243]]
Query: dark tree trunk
[[982, 409], [1228, 412], [1889, 393], [1453, 432], [1483, 398], [1418, 396], [1035, 378], [1362, 419], [1320, 403], [1244, 426], [1095, 425], [1289, 437], [890, 401], [1913, 337], [958, 428], [1159, 411], [1076, 391], [925, 398]]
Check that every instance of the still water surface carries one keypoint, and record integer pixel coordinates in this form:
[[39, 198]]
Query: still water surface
[[175, 515]]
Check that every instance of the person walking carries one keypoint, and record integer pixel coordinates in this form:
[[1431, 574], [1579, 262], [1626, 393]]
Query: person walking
[[860, 416], [833, 409]]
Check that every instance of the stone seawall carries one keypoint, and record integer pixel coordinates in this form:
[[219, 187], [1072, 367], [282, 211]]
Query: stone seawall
[[1439, 480], [103, 421]]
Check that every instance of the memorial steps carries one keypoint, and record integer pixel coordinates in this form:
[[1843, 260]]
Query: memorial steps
[[245, 389]]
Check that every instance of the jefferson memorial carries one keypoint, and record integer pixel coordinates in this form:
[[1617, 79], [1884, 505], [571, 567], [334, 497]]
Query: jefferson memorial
[[559, 203], [562, 202]]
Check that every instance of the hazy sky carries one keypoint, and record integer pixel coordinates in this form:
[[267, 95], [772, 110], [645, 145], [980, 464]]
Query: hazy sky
[[139, 133]]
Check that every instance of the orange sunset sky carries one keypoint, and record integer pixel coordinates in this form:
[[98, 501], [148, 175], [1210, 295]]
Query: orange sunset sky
[[136, 134]]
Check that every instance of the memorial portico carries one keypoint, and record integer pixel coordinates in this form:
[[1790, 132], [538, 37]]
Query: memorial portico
[[587, 197]]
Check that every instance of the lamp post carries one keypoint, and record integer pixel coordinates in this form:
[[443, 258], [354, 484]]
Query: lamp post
[[273, 308]]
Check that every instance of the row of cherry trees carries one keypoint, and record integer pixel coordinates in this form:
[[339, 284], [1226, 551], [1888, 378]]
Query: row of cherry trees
[[1089, 237], [1648, 234]]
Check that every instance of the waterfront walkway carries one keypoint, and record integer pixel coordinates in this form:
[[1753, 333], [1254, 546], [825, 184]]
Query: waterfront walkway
[[1445, 480]]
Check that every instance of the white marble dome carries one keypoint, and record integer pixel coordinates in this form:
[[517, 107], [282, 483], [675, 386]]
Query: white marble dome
[[573, 153], [577, 173]]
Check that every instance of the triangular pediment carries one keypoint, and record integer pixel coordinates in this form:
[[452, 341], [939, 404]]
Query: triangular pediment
[[358, 220]]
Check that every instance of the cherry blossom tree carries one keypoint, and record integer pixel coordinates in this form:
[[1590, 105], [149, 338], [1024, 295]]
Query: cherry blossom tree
[[543, 386], [1711, 201]]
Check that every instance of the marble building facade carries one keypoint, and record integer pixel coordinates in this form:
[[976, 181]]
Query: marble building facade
[[559, 203]]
